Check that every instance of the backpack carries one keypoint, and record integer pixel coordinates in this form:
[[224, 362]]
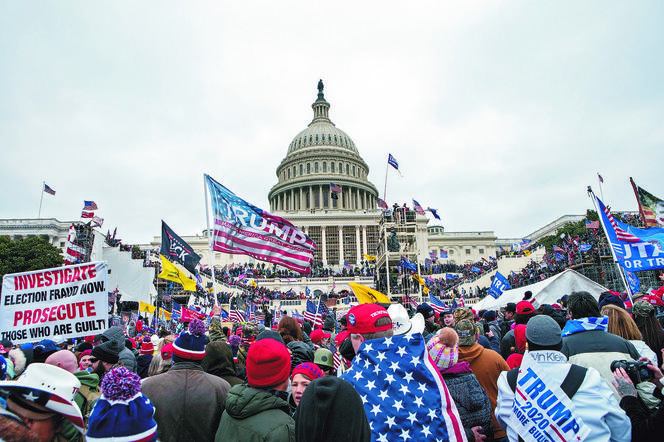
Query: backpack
[[89, 397]]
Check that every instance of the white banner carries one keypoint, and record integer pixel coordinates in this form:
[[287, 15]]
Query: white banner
[[63, 302], [541, 410]]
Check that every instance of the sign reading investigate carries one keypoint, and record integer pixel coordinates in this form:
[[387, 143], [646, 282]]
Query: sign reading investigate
[[62, 302]]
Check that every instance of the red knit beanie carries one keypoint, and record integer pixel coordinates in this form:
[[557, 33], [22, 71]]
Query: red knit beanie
[[308, 369], [268, 363], [146, 346]]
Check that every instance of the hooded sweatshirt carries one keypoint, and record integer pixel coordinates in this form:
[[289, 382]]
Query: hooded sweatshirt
[[218, 361]]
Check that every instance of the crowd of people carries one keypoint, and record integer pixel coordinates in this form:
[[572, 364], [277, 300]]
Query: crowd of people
[[466, 375]]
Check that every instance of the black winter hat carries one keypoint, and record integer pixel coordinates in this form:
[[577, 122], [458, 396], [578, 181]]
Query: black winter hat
[[108, 351]]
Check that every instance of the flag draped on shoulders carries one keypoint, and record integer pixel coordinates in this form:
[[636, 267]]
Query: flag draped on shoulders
[[403, 393], [242, 228]]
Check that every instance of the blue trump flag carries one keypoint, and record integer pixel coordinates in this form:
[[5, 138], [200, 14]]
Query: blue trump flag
[[635, 249], [633, 281], [403, 393], [498, 285]]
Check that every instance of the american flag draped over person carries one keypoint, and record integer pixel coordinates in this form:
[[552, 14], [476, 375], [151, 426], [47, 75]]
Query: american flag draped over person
[[242, 228], [403, 393]]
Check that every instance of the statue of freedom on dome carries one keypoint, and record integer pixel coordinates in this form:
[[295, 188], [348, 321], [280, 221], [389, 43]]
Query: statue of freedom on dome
[[320, 86]]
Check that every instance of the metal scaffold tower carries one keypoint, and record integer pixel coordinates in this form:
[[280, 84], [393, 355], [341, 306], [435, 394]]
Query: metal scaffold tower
[[398, 243]]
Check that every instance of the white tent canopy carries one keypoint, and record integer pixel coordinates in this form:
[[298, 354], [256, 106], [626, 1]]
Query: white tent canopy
[[547, 291], [133, 281]]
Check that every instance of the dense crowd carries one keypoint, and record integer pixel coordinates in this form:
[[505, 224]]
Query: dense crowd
[[344, 377]]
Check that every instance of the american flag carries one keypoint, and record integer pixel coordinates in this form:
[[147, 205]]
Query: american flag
[[437, 304], [335, 188], [418, 208], [601, 180], [381, 203], [89, 205], [403, 393], [592, 224], [236, 315], [48, 189], [336, 357], [87, 214], [242, 228], [621, 233], [315, 314]]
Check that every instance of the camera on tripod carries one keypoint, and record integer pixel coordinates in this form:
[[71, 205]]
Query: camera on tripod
[[636, 370]]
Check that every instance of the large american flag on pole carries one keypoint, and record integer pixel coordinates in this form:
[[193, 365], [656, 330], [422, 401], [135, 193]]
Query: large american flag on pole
[[403, 393], [242, 228]]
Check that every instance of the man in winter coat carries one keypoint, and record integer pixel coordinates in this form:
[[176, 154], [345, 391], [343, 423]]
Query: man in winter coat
[[259, 410], [188, 401], [586, 341], [593, 401]]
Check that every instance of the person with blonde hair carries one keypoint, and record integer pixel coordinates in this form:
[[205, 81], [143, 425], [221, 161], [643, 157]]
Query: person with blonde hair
[[622, 324]]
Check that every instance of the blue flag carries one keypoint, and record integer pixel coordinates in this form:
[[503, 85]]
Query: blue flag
[[633, 282], [405, 263], [560, 257], [585, 247], [392, 161], [498, 285], [475, 269], [403, 393], [635, 249]]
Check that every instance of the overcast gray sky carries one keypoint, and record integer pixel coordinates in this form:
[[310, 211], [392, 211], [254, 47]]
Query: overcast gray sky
[[500, 113]]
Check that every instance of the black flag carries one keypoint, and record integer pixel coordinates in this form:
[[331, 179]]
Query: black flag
[[177, 250]]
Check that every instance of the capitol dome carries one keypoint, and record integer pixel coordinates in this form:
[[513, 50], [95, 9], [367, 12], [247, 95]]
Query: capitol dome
[[322, 169]]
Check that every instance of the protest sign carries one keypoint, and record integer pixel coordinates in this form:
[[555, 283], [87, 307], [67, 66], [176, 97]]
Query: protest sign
[[541, 409], [62, 302]]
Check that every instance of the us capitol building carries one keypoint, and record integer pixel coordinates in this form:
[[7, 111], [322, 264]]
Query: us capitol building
[[344, 222]]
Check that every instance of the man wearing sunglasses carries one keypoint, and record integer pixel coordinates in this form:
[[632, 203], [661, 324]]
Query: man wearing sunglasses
[[104, 357]]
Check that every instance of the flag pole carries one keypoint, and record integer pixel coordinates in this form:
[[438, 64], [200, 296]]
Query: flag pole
[[613, 252], [385, 188], [207, 221], [42, 199]]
